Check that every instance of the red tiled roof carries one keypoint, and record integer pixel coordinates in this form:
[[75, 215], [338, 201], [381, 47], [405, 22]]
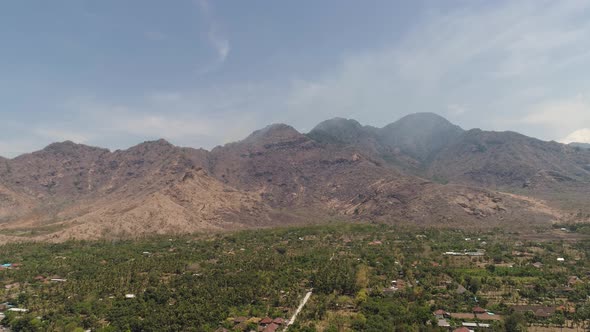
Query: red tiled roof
[[461, 329], [479, 310], [278, 321], [266, 320], [487, 316], [271, 328]]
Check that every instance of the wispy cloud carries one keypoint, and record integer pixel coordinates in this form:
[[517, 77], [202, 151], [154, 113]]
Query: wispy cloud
[[498, 65], [218, 39], [500, 58]]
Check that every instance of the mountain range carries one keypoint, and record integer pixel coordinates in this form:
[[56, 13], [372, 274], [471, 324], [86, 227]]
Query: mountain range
[[421, 169]]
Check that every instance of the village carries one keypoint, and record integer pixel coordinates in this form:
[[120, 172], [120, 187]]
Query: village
[[364, 278]]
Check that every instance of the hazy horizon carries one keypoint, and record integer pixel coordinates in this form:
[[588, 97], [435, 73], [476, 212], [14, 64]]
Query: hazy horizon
[[238, 139]]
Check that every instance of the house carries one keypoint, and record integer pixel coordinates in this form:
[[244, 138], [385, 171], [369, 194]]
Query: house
[[462, 329], [479, 310], [475, 325], [440, 314], [375, 243], [266, 321], [58, 280], [271, 328], [538, 265], [462, 315], [488, 316], [129, 296], [18, 310], [279, 321], [561, 259]]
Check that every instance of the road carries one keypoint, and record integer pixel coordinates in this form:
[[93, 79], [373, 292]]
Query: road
[[301, 305]]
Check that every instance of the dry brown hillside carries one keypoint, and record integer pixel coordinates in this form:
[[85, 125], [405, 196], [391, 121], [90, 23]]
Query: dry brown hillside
[[275, 176]]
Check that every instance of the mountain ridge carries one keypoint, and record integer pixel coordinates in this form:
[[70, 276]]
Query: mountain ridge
[[277, 175]]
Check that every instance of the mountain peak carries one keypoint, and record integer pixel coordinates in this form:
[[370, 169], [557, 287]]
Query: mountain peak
[[341, 131], [337, 123], [61, 145], [69, 147], [158, 147], [423, 119], [159, 142], [421, 135], [274, 132]]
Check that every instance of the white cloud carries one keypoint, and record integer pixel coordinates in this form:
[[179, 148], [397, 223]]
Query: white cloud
[[560, 116], [220, 43], [578, 136]]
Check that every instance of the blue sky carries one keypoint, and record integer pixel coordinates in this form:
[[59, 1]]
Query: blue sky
[[202, 73]]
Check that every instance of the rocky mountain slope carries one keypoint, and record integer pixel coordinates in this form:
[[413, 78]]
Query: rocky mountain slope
[[429, 146], [276, 176]]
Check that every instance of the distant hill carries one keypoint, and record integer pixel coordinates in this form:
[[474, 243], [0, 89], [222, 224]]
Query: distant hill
[[421, 169], [580, 145]]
